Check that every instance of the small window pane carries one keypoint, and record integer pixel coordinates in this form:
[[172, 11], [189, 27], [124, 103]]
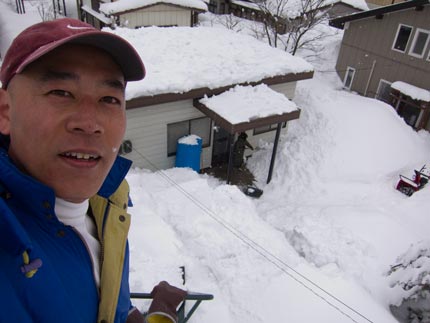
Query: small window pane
[[201, 127], [174, 132], [420, 42], [349, 76], [402, 38]]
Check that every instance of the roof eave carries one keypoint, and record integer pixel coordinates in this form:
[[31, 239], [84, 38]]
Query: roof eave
[[144, 101], [244, 126], [339, 22]]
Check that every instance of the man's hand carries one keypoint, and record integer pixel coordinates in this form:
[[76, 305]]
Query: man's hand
[[166, 299]]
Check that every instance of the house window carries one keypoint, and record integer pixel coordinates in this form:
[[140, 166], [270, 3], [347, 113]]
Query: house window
[[200, 127], [402, 38], [349, 77], [270, 127], [419, 43], [384, 90]]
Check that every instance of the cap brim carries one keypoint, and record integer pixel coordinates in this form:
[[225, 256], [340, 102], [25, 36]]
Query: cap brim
[[121, 51]]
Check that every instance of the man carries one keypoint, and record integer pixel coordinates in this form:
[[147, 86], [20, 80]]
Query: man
[[239, 149], [63, 206]]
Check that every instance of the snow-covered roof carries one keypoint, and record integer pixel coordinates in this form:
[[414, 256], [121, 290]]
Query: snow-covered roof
[[413, 91], [248, 103], [293, 8], [125, 5], [180, 59], [246, 4], [96, 14], [359, 4]]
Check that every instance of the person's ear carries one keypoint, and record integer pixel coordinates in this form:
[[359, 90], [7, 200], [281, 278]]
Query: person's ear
[[4, 112]]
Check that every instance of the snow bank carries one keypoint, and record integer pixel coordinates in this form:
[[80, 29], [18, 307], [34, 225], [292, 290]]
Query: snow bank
[[11, 24]]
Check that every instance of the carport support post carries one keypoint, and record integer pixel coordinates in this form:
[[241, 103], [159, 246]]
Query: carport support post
[[230, 157], [275, 148]]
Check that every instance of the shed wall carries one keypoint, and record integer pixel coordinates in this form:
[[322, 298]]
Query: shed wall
[[158, 15], [147, 130], [369, 42]]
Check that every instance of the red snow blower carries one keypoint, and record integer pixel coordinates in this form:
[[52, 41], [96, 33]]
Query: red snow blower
[[409, 186]]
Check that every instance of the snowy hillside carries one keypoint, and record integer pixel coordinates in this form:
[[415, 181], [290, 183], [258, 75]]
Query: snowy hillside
[[317, 244]]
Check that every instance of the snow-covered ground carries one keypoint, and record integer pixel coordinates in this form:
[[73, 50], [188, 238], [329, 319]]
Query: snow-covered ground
[[317, 245]]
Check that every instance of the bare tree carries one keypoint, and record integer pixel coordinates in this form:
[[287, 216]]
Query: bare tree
[[290, 22], [230, 22]]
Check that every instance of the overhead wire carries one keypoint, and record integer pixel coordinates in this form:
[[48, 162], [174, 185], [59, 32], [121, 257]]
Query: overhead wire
[[262, 251]]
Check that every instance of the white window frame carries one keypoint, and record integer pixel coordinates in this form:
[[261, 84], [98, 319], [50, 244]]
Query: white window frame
[[349, 68], [379, 87], [414, 41], [397, 35]]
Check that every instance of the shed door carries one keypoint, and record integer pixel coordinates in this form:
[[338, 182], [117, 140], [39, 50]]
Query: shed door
[[220, 147]]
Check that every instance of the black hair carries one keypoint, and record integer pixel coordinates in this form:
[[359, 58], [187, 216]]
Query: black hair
[[4, 141]]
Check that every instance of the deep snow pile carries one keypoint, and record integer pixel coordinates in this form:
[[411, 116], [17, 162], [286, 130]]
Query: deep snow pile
[[331, 214], [411, 277]]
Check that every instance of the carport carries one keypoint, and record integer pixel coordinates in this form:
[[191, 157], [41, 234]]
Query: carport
[[248, 107]]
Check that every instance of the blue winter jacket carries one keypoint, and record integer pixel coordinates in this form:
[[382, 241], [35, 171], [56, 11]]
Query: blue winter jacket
[[46, 272]]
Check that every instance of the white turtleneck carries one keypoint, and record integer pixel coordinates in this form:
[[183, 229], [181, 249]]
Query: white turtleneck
[[75, 215]]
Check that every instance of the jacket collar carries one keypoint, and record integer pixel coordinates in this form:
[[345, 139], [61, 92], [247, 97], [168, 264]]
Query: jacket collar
[[36, 197], [15, 181]]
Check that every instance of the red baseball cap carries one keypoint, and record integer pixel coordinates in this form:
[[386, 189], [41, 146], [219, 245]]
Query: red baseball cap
[[41, 38]]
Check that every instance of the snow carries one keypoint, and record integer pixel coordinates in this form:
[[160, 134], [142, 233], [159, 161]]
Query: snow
[[11, 24], [191, 140], [180, 59], [246, 4], [413, 91], [359, 4], [246, 103], [293, 8], [125, 5], [96, 14], [317, 245]]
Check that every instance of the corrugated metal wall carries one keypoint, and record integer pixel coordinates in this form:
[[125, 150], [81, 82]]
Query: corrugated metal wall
[[158, 15]]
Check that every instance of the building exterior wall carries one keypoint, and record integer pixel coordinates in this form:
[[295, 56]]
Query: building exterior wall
[[147, 131], [367, 47], [158, 15]]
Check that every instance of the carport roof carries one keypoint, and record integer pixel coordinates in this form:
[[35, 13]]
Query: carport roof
[[246, 107]]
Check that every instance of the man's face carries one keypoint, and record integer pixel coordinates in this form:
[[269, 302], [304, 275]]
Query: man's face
[[65, 114]]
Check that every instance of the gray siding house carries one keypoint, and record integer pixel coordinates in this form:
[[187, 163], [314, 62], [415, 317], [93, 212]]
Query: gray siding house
[[385, 45]]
